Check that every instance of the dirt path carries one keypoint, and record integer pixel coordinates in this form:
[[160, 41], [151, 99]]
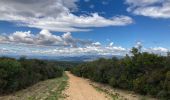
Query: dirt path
[[80, 89]]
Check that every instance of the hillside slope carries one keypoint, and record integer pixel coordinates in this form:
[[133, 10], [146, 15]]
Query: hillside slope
[[46, 90]]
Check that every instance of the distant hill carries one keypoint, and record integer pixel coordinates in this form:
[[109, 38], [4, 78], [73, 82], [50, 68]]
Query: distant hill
[[81, 58]]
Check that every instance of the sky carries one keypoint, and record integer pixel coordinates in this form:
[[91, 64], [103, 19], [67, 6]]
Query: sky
[[83, 27]]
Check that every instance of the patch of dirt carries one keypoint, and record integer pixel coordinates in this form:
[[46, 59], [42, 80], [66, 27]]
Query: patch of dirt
[[84, 89], [80, 89]]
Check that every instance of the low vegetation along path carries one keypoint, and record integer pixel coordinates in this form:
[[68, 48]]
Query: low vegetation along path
[[80, 89]]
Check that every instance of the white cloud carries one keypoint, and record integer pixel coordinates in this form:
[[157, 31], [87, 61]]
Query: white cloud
[[138, 45], [68, 40], [159, 49], [150, 8], [55, 15], [88, 50], [24, 37], [45, 37], [96, 44], [111, 44], [142, 2], [36, 8], [36, 50]]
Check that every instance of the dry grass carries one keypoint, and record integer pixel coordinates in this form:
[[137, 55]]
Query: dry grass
[[46, 90], [118, 94]]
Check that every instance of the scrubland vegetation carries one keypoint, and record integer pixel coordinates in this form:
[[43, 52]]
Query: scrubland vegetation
[[19, 74], [144, 73], [50, 89]]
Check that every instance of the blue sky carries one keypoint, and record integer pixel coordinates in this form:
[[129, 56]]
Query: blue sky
[[81, 27]]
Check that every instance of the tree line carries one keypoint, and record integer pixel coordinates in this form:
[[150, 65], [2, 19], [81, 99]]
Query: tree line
[[144, 73], [19, 74]]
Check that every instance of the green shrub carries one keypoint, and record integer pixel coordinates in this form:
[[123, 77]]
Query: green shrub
[[143, 73], [113, 82], [19, 74]]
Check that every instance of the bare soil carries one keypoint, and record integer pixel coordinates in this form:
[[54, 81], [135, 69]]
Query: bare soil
[[84, 89], [80, 89]]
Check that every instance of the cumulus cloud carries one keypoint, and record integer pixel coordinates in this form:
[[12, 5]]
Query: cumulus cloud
[[60, 50], [150, 8], [45, 37], [48, 44], [55, 15], [157, 50], [36, 50], [36, 8], [160, 49], [96, 44]]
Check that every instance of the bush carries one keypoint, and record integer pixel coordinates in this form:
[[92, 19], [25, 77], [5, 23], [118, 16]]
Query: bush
[[113, 82], [143, 73], [19, 74]]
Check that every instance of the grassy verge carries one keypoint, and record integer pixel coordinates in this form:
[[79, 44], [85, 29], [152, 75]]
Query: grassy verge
[[113, 96], [119, 94], [46, 90], [56, 94]]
